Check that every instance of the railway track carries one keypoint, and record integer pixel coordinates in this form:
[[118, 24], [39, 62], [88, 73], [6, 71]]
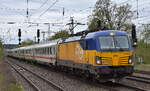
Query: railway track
[[30, 76], [109, 87], [135, 88], [140, 79], [142, 72]]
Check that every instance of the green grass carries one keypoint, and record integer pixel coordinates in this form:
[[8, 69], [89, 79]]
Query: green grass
[[5, 83], [1, 52], [11, 86], [145, 67], [14, 87], [1, 78]]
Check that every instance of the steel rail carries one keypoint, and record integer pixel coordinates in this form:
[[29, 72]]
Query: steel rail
[[29, 81], [54, 85]]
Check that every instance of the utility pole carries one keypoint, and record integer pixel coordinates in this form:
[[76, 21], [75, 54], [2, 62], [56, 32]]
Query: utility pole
[[35, 39], [72, 25], [43, 32], [27, 12], [49, 26], [137, 9], [49, 31]]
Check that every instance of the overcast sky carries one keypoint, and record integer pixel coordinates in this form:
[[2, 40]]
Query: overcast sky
[[15, 11]]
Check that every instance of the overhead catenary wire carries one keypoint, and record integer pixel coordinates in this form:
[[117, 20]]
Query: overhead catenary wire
[[43, 4], [140, 17], [10, 9], [46, 9], [40, 6], [79, 11]]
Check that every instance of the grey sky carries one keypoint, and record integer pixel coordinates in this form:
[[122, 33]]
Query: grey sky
[[15, 11]]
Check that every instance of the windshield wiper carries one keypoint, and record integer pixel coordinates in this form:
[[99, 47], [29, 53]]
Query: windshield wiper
[[121, 49]]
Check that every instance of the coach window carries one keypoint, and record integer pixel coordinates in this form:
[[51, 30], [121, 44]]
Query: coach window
[[48, 50], [40, 50], [36, 51], [43, 51], [54, 50]]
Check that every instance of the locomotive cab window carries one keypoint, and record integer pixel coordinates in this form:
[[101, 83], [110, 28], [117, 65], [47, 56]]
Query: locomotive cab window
[[114, 42]]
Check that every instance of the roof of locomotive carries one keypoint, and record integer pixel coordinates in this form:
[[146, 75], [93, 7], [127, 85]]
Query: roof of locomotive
[[105, 33]]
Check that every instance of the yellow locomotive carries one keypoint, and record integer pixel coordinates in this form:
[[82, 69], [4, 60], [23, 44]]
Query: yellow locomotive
[[105, 55]]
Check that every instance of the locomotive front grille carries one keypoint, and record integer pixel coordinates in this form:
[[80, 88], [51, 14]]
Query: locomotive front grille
[[106, 60], [123, 60]]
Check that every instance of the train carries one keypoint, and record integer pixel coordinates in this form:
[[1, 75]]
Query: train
[[105, 55]]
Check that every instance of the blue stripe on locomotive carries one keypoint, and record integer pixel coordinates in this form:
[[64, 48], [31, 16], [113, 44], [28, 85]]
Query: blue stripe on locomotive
[[92, 42]]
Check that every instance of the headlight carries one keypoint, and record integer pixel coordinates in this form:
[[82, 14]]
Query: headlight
[[98, 60], [130, 60]]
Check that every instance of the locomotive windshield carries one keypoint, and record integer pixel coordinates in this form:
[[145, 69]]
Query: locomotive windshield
[[114, 42]]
